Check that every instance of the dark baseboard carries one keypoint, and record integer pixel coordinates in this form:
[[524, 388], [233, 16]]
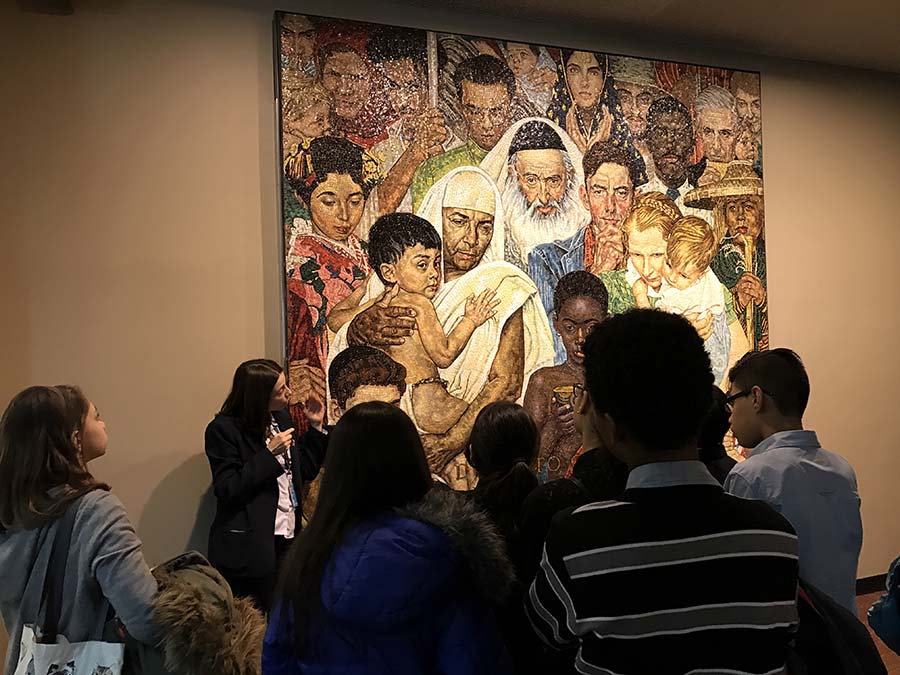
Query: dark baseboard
[[868, 585]]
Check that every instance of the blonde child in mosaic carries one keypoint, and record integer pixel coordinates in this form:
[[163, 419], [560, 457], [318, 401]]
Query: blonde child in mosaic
[[691, 287], [306, 113]]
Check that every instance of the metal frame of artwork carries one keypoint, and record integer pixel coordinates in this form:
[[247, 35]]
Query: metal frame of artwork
[[511, 196]]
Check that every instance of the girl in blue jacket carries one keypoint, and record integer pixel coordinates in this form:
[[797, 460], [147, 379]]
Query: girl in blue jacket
[[390, 576]]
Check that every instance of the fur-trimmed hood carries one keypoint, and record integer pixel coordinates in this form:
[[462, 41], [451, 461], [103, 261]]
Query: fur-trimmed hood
[[474, 536], [204, 628], [397, 568]]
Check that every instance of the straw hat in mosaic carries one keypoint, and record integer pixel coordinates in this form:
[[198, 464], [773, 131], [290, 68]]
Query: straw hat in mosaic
[[739, 180], [641, 72]]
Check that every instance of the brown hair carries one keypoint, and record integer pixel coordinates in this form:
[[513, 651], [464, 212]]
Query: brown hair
[[778, 372], [41, 469], [652, 209], [607, 153], [691, 241], [360, 365], [749, 82]]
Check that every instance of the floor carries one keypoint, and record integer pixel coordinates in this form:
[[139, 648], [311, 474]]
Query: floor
[[891, 660]]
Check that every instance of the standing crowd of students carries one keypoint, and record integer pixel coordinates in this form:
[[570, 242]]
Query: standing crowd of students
[[656, 555]]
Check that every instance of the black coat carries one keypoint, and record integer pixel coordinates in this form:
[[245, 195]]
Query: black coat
[[597, 476], [245, 482], [830, 640]]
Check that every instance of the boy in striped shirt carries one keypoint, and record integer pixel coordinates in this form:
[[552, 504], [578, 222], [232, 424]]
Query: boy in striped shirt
[[677, 577]]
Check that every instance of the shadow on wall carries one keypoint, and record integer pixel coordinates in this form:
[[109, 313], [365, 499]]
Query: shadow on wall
[[162, 527]]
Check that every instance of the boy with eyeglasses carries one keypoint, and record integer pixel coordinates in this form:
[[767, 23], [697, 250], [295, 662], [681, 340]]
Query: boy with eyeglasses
[[813, 488]]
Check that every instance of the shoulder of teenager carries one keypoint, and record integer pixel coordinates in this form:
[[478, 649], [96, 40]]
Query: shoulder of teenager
[[106, 543]]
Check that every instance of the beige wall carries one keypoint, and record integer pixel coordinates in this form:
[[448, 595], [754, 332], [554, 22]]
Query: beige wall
[[139, 252]]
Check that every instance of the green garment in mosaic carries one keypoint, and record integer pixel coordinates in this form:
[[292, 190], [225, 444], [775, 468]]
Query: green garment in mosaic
[[621, 297], [437, 167]]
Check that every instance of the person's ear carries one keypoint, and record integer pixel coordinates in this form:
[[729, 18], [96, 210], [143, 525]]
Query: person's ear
[[334, 411], [611, 433], [76, 440], [388, 272], [555, 319], [584, 404], [759, 400], [583, 195]]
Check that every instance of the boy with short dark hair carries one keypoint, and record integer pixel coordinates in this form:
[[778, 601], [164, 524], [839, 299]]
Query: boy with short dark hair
[[813, 488], [360, 374]]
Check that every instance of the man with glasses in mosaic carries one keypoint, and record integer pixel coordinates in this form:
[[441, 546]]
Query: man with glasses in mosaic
[[485, 87]]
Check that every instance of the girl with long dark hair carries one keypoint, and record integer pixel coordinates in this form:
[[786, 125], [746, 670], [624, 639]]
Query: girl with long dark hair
[[258, 469], [389, 576], [502, 448]]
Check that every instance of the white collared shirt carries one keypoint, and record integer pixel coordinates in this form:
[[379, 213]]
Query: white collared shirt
[[285, 516]]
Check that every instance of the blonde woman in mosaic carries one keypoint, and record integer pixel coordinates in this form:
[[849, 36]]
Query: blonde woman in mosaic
[[691, 287], [646, 233]]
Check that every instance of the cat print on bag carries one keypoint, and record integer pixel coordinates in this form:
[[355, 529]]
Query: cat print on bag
[[56, 669], [70, 669]]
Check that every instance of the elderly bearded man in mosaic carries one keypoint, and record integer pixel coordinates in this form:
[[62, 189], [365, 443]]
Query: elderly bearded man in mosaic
[[538, 170]]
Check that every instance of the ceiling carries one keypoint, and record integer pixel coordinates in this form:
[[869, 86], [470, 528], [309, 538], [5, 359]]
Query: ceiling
[[861, 33], [856, 33]]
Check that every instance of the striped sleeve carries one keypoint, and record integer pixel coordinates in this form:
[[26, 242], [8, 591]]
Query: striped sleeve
[[548, 604]]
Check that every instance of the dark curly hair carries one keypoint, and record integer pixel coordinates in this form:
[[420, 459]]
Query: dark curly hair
[[392, 43], [361, 365], [579, 284], [625, 353], [393, 233], [602, 152], [484, 69], [668, 105], [306, 170]]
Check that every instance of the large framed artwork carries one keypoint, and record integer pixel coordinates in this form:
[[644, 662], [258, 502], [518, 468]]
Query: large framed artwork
[[458, 212]]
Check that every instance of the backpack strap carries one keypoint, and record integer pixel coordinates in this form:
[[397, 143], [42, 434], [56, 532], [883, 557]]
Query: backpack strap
[[51, 597], [582, 488]]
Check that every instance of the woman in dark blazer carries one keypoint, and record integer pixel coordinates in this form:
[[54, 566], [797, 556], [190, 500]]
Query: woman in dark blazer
[[258, 469]]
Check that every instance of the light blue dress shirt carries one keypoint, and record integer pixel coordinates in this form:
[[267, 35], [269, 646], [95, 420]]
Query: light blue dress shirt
[[670, 474], [816, 491]]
